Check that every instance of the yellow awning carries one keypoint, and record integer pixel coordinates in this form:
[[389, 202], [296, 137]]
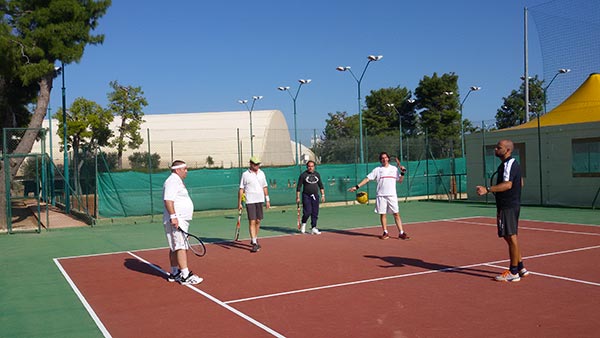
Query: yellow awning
[[581, 107]]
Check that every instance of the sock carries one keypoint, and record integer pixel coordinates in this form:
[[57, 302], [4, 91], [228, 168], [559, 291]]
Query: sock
[[385, 231], [520, 266], [174, 270], [514, 270], [185, 272], [253, 240], [401, 232]]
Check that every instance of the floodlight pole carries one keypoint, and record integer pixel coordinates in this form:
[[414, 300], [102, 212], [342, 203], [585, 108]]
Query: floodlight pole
[[399, 124], [52, 199], [250, 109], [462, 131], [65, 146], [294, 97], [539, 132], [371, 58]]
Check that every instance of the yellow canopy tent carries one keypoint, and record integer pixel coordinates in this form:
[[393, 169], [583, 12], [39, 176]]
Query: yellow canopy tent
[[581, 107]]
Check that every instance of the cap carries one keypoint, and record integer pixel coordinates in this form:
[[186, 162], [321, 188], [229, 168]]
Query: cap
[[255, 160]]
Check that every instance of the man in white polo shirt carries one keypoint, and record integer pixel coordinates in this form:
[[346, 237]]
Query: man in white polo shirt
[[177, 213], [254, 185], [386, 176]]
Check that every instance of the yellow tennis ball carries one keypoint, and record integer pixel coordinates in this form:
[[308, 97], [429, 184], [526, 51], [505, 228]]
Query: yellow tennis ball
[[362, 197]]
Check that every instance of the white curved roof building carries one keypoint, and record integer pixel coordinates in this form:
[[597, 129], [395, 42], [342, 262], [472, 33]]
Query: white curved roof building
[[222, 136]]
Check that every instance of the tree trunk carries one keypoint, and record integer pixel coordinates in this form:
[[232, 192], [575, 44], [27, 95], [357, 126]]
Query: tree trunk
[[27, 142]]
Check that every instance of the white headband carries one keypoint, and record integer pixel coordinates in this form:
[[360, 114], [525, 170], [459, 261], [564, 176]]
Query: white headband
[[179, 166]]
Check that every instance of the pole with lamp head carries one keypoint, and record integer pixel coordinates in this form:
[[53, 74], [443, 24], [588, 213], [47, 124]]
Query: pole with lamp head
[[294, 98], [370, 58], [539, 131], [250, 109], [462, 131]]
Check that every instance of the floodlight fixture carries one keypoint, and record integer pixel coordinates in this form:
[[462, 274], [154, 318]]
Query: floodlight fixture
[[375, 57]]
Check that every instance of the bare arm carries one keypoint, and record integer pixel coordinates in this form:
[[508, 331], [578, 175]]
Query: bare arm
[[363, 182]]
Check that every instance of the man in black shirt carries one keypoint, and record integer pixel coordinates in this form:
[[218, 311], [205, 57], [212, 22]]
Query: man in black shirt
[[508, 206], [311, 182]]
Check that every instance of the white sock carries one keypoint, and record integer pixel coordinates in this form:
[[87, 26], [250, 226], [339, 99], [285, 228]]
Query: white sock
[[185, 272], [253, 240], [401, 232]]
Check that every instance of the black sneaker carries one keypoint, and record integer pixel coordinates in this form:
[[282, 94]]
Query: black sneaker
[[403, 236], [174, 277], [255, 247]]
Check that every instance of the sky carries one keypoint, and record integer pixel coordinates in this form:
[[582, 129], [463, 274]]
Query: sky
[[204, 56]]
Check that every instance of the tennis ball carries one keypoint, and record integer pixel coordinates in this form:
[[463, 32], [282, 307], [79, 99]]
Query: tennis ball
[[362, 197]]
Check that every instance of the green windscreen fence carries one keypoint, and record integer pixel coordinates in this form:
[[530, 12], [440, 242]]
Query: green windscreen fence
[[125, 194]]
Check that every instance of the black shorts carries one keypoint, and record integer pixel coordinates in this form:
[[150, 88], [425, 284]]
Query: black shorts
[[255, 211], [507, 220]]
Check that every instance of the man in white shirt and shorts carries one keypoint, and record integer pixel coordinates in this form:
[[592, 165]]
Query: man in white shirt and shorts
[[177, 213], [386, 176], [253, 185]]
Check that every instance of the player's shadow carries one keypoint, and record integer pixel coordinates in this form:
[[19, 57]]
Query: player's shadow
[[285, 230], [394, 262], [141, 267], [242, 245], [353, 233]]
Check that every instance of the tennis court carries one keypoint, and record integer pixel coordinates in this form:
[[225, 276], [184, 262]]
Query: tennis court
[[345, 282], [348, 283]]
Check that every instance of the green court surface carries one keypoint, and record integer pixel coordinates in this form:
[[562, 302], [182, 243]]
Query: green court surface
[[36, 301]]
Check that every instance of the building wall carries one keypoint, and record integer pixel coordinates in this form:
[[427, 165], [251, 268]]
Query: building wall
[[223, 136], [559, 187]]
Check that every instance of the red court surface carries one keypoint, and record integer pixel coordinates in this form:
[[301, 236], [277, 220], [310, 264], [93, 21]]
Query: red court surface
[[352, 284]]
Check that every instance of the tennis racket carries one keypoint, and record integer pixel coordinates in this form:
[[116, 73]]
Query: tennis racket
[[194, 243], [298, 209], [236, 236]]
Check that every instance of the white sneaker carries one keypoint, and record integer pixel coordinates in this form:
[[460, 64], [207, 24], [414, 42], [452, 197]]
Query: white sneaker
[[191, 279], [315, 231], [303, 228]]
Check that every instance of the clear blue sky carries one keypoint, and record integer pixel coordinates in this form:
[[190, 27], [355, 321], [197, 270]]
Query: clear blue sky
[[202, 56]]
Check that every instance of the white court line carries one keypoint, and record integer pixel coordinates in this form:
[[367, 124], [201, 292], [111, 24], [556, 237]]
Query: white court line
[[87, 306], [404, 275], [535, 229], [223, 304], [551, 276]]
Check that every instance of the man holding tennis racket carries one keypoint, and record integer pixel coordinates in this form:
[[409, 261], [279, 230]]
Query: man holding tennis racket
[[508, 206], [386, 176], [177, 214], [310, 183], [254, 186]]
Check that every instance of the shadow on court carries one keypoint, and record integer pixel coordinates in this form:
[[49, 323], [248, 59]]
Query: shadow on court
[[352, 233], [141, 267], [395, 262], [241, 245], [285, 230]]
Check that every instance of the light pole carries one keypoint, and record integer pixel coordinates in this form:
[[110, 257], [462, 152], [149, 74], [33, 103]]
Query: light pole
[[245, 102], [399, 124], [539, 131], [371, 58], [294, 97], [462, 132], [65, 147]]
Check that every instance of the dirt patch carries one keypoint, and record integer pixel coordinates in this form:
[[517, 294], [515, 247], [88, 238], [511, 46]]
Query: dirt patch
[[25, 216]]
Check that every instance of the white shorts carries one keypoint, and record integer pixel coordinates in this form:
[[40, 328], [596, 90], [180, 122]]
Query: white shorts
[[175, 237], [386, 205]]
